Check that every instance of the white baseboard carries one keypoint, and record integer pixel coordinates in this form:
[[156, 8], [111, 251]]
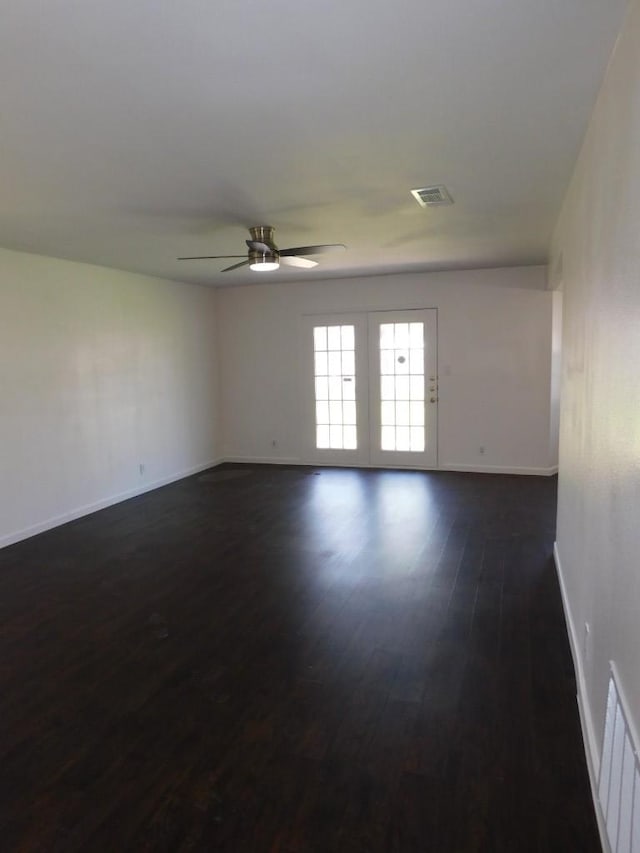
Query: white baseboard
[[464, 469], [78, 512], [589, 738], [264, 460], [501, 469]]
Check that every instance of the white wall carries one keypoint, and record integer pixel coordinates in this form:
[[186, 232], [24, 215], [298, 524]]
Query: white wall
[[494, 346], [100, 371], [556, 372], [598, 536]]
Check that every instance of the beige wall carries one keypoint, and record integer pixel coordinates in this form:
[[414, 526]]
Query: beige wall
[[597, 246], [100, 372], [494, 350]]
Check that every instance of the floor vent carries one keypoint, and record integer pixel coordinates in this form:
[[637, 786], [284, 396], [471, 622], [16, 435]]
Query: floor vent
[[619, 783]]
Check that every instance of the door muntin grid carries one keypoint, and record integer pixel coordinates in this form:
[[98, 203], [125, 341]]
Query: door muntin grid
[[402, 387], [335, 387]]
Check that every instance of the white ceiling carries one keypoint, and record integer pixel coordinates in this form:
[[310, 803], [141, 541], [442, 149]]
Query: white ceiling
[[135, 131]]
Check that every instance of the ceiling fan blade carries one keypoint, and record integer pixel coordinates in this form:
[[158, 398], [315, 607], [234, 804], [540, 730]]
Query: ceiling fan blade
[[209, 257], [259, 246], [312, 250], [235, 266], [295, 261]]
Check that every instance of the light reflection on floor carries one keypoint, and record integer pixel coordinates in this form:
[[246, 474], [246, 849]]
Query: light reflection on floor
[[375, 522]]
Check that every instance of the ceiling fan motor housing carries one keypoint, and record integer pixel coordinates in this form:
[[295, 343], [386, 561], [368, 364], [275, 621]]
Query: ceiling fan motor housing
[[263, 234]]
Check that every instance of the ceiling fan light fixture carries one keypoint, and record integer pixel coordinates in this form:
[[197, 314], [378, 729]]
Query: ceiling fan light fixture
[[266, 263]]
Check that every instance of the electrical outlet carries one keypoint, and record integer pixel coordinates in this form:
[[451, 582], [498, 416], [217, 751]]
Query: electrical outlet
[[274, 443], [481, 450]]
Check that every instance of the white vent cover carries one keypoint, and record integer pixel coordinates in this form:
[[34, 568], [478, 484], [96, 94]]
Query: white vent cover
[[619, 783], [431, 196]]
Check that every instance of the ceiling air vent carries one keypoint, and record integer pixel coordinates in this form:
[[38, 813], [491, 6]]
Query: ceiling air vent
[[431, 196]]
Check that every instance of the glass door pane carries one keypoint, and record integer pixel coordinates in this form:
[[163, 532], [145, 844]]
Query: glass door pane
[[403, 388], [335, 387]]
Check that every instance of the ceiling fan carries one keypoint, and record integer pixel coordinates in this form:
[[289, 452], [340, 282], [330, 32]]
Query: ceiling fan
[[264, 256]]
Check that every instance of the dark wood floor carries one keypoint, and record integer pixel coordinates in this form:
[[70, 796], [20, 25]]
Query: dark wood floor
[[288, 660]]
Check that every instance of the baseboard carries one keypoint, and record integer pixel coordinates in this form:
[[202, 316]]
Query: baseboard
[[78, 512], [589, 739], [464, 469], [264, 460], [501, 469]]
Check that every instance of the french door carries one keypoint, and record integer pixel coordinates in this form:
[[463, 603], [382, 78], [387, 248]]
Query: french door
[[371, 388]]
